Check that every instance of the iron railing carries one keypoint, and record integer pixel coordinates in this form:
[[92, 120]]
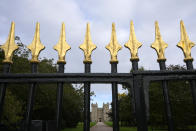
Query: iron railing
[[137, 81]]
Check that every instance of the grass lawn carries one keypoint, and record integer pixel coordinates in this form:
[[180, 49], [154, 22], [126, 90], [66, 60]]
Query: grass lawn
[[109, 123], [79, 127]]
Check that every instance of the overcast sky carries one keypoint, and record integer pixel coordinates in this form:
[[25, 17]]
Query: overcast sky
[[100, 14]]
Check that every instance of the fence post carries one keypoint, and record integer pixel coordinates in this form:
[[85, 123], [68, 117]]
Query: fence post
[[59, 98], [115, 113], [189, 65], [159, 45], [133, 45], [113, 47], [61, 47], [166, 98], [87, 48], [185, 44], [139, 103], [8, 47], [36, 46], [31, 99], [87, 100], [134, 68]]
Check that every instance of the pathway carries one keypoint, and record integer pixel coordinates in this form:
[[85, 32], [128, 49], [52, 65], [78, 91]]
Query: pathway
[[100, 126]]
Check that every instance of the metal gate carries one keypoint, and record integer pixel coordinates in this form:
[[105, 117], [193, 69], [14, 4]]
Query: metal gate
[[137, 81]]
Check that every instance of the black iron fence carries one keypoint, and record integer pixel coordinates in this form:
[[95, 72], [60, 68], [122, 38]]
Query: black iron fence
[[137, 81]]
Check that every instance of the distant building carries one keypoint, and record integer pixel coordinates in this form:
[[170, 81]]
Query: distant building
[[100, 114]]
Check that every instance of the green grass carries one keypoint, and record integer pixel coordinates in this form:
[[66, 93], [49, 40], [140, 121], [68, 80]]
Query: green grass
[[128, 129], [109, 123], [79, 127], [93, 124]]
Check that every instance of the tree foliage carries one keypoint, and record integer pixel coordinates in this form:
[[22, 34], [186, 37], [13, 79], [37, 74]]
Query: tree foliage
[[125, 112]]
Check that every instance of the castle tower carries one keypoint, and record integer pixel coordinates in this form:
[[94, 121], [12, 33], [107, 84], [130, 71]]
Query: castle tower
[[94, 112], [105, 112]]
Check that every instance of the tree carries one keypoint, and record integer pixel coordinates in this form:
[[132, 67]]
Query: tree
[[12, 111], [126, 117]]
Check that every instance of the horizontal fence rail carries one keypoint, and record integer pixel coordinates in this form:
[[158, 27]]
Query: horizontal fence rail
[[120, 78]]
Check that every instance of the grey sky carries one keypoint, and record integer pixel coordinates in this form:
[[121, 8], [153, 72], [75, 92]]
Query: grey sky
[[100, 14]]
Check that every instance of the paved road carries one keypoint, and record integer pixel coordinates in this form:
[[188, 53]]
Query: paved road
[[100, 126]]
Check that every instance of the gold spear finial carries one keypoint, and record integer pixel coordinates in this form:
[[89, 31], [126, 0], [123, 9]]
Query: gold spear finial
[[113, 46], [87, 45], [62, 46], [10, 46], [36, 46], [185, 44], [159, 45], [133, 44]]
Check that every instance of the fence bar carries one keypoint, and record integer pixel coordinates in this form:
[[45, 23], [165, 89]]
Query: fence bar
[[87, 99], [134, 64], [31, 99], [59, 98], [139, 103], [189, 65], [166, 98], [134, 68], [115, 112], [6, 69]]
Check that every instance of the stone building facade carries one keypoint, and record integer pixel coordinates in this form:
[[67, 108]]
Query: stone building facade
[[100, 114]]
